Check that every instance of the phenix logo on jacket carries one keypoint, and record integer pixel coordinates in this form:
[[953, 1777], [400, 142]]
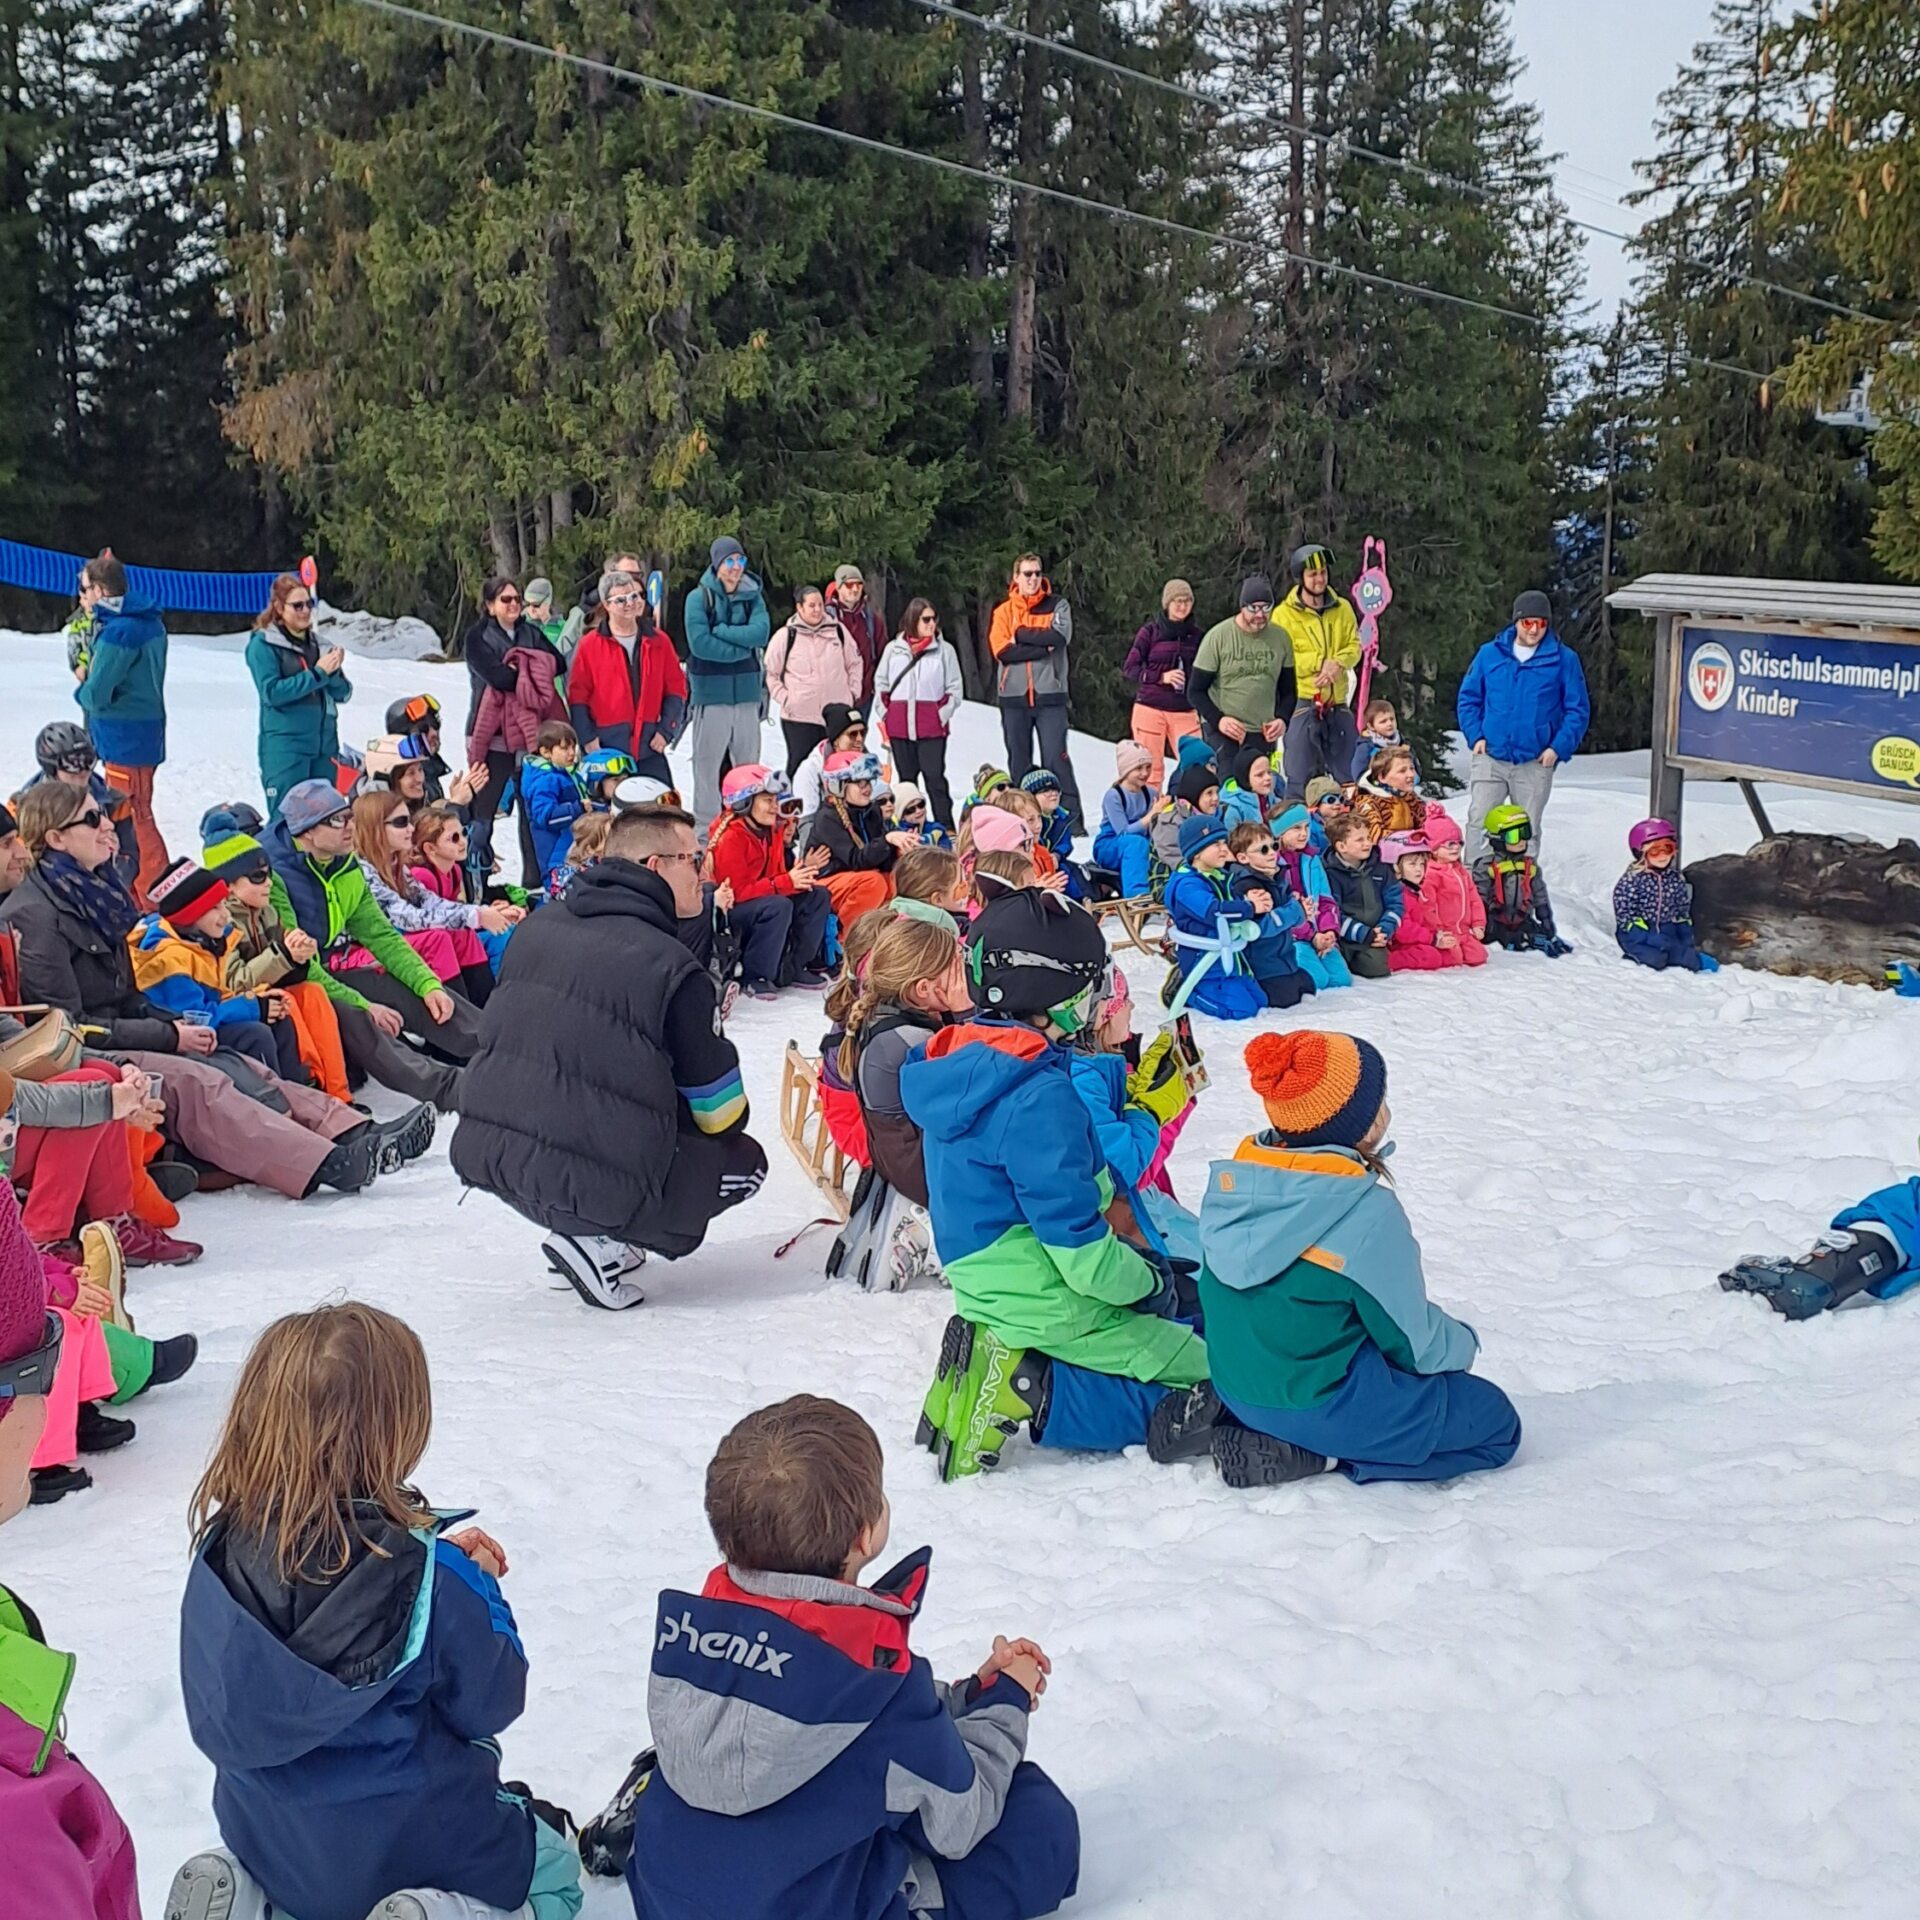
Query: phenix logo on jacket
[[808, 1761]]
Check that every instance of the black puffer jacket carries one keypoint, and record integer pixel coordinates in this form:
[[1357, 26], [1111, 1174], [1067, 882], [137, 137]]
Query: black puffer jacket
[[570, 1111], [855, 838], [65, 963]]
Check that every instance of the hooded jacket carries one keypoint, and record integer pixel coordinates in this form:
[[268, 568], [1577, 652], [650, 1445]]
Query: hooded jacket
[[1029, 638], [1385, 811], [188, 977], [806, 1754], [1306, 872], [1452, 900], [1329, 633], [1520, 708], [119, 809], [67, 1853], [124, 695], [1160, 648], [812, 668], [1309, 1258], [918, 688], [622, 699], [330, 901], [68, 964], [752, 859], [1018, 1191], [1650, 900], [726, 635], [299, 705], [351, 1721], [553, 802], [1368, 896], [602, 1085]]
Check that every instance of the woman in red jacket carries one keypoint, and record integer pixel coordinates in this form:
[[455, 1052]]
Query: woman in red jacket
[[778, 911], [626, 687]]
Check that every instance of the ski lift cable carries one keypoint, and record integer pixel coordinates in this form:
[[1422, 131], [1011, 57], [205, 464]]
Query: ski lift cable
[[1433, 176], [585, 63]]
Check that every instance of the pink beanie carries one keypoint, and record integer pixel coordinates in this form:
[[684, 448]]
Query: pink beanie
[[997, 831], [1128, 754], [1441, 828]]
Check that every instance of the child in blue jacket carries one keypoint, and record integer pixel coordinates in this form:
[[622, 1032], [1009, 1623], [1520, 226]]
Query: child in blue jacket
[[1123, 843], [809, 1765], [1367, 893], [551, 794], [1653, 904], [1201, 903], [1056, 830], [1274, 959], [349, 1665]]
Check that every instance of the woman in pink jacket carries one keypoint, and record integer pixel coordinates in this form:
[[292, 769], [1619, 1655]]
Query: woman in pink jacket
[[813, 664], [66, 1851], [1451, 900]]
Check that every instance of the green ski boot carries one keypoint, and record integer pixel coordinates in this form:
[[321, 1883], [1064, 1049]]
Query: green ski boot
[[999, 1389], [955, 1345]]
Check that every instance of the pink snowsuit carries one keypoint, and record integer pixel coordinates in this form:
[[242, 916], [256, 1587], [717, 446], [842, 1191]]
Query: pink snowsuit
[[1454, 906], [1413, 950]]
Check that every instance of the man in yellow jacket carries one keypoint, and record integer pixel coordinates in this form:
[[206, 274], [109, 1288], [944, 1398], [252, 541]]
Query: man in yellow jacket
[[1322, 735]]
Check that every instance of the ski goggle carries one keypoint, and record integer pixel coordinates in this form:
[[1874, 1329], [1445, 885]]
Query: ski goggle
[[866, 769], [420, 710], [1315, 560], [1073, 1016], [31, 1373], [1668, 847], [411, 747], [75, 760], [1512, 837]]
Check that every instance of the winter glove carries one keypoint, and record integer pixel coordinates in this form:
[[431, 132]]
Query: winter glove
[[1551, 945], [1176, 1296], [1903, 977], [1158, 1084], [1708, 964]]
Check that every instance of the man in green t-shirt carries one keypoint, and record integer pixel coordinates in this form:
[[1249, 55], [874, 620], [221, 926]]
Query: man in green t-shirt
[[1242, 684]]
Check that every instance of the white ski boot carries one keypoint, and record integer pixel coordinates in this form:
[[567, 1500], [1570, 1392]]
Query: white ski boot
[[428, 1903], [215, 1886], [910, 1254], [596, 1268]]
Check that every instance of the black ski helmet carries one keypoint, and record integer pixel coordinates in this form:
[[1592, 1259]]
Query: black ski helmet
[[1313, 554], [1033, 952], [64, 743], [413, 715]]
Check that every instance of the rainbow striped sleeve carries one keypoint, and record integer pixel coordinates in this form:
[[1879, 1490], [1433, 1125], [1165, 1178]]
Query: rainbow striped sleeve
[[719, 1105]]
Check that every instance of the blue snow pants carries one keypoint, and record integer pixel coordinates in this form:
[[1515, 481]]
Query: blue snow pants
[[1898, 1210], [1130, 855], [1027, 1866], [1326, 970], [1383, 1424], [1660, 948], [1097, 1412]]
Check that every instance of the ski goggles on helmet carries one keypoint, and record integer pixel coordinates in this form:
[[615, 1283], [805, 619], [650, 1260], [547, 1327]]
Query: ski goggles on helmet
[[609, 764], [743, 788], [74, 760], [422, 710], [1511, 838], [1313, 560], [866, 769], [31, 1373]]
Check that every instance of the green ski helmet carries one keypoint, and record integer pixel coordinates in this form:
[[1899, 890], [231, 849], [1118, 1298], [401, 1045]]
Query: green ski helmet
[[1508, 826]]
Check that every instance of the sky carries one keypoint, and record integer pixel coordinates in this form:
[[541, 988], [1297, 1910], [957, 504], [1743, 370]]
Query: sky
[[1597, 73]]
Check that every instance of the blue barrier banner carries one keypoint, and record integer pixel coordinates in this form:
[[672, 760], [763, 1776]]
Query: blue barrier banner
[[1806, 706], [42, 570]]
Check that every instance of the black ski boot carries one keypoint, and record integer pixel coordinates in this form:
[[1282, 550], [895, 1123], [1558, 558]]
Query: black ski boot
[[1182, 1426], [97, 1432], [1840, 1265], [351, 1165], [172, 1358], [1249, 1459], [606, 1841]]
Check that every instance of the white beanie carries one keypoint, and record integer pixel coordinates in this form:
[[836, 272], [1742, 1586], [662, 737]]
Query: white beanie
[[906, 795]]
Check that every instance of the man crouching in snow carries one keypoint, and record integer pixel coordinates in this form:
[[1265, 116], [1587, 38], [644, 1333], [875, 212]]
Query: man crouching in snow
[[605, 1103], [809, 1765]]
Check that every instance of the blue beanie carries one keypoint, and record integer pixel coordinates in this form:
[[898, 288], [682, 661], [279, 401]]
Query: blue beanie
[[1199, 831], [1194, 752]]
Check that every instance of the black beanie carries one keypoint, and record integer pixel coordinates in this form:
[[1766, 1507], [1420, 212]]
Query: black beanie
[[1193, 782], [1247, 759], [837, 718], [9, 826], [1533, 605]]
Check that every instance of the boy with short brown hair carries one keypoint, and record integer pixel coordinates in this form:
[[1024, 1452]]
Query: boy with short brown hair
[[1367, 893], [785, 1698]]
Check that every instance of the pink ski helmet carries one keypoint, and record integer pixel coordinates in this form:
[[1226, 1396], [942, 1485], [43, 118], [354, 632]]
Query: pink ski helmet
[[739, 789], [1396, 846], [1640, 838]]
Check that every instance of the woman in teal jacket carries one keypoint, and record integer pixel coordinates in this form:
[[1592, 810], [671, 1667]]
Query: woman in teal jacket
[[302, 689], [1326, 1350]]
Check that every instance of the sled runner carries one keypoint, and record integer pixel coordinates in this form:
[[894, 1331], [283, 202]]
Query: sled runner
[[804, 1128], [1143, 922]]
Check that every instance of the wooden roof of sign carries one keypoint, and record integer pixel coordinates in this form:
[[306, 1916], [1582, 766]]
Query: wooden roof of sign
[[1828, 603]]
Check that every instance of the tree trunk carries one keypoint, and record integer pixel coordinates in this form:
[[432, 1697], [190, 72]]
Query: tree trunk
[[504, 538], [1024, 239], [1296, 227], [560, 508], [973, 120]]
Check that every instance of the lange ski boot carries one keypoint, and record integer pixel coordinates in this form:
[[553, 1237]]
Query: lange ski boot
[[596, 1268], [956, 1344], [1841, 1264], [997, 1390], [606, 1841]]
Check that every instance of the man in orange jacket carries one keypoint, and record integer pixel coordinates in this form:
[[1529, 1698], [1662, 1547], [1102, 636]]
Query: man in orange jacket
[[1032, 629]]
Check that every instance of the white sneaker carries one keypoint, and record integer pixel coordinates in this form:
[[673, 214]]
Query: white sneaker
[[428, 1903], [596, 1268], [215, 1886]]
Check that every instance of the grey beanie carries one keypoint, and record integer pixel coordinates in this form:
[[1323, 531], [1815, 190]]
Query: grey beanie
[[539, 593], [1533, 605], [724, 549], [1256, 590]]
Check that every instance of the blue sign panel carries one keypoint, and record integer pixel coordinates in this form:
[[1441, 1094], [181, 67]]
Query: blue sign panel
[[1801, 705]]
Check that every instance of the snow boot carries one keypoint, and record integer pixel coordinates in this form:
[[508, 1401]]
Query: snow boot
[[431, 1903], [106, 1266], [606, 1841], [173, 1358], [55, 1483], [97, 1432], [1183, 1424], [1249, 1459], [351, 1164], [405, 1137], [175, 1179], [596, 1268], [1840, 1265], [997, 1390], [215, 1886]]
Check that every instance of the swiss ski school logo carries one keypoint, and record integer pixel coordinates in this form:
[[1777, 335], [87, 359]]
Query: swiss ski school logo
[[1710, 677]]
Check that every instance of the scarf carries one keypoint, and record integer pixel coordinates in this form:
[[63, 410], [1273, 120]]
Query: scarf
[[99, 898]]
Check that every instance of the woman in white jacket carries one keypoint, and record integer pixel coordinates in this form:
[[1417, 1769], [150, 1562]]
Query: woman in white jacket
[[916, 692]]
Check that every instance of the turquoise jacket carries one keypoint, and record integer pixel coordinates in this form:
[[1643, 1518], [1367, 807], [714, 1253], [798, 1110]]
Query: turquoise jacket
[[726, 642], [299, 704], [124, 693], [1309, 1256]]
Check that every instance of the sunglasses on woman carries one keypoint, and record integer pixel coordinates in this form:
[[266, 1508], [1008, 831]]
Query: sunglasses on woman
[[93, 817], [399, 823], [299, 606]]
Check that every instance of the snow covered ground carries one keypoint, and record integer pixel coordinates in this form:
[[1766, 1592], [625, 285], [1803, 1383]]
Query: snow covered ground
[[1664, 1666]]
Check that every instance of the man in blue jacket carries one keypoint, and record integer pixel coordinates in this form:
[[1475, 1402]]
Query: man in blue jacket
[[124, 699], [1523, 709], [727, 632]]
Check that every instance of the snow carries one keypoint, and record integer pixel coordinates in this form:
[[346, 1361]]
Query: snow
[[1663, 1665]]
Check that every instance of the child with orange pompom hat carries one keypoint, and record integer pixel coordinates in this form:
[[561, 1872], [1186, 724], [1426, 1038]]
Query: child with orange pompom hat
[[1326, 1350]]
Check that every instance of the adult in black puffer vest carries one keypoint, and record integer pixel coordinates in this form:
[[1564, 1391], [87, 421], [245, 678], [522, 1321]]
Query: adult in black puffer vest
[[605, 1104]]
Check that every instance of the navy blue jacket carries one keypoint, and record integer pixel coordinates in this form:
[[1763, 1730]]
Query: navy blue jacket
[[804, 1751], [349, 1723], [1520, 709]]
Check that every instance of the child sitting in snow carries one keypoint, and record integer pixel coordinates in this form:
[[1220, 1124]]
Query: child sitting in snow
[[550, 793], [1196, 790], [1872, 1247], [1055, 837], [1325, 797], [1327, 1352], [997, 871], [912, 815], [1653, 904], [1057, 1323], [1386, 798], [1420, 943], [1447, 891], [1379, 730], [1202, 904], [1514, 890], [933, 876], [1305, 872], [1123, 843], [1367, 894], [348, 1664], [584, 849], [920, 1801], [1273, 959], [1249, 794], [998, 826]]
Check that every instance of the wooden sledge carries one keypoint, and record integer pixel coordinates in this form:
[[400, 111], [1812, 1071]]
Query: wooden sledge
[[1143, 923], [804, 1128]]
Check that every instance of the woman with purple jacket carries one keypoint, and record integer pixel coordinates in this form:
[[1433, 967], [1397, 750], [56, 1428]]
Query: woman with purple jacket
[[1158, 665]]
